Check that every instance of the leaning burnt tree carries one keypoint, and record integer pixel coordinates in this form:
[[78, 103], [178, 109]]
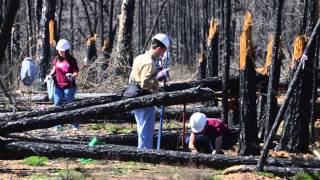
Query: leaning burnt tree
[[123, 56], [248, 114], [48, 13], [288, 96]]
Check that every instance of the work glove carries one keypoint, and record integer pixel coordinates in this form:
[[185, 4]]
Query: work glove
[[163, 75], [70, 76]]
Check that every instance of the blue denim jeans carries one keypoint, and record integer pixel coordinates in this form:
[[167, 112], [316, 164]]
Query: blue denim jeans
[[202, 143], [64, 96], [145, 118]]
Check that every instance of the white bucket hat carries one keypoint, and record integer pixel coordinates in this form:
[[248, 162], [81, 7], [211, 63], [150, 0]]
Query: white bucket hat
[[197, 122]]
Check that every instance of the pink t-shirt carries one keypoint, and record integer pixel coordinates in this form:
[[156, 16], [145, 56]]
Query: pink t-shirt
[[62, 68]]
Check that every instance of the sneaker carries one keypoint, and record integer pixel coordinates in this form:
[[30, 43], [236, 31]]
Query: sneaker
[[58, 128], [75, 127]]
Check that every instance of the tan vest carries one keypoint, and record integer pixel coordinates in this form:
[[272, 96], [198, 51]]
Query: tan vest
[[144, 72]]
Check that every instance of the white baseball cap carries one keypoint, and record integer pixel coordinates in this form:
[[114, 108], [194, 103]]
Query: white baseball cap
[[197, 122], [63, 45], [163, 38]]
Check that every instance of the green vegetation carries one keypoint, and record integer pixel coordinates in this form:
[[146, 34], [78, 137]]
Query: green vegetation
[[35, 161], [38, 176], [71, 174], [265, 174], [110, 128], [306, 176]]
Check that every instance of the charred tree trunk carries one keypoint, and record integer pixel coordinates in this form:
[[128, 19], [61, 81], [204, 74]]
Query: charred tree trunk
[[202, 66], [295, 136], [248, 115], [30, 42], [19, 149], [71, 24], [288, 96], [60, 19], [124, 54], [11, 12], [101, 20], [48, 13], [274, 74], [82, 114], [226, 64], [66, 107], [213, 49], [88, 17]]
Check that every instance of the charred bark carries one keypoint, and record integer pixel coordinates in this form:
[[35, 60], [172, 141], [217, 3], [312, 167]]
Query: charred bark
[[226, 64], [82, 114], [248, 138], [19, 149], [274, 74], [124, 54], [7, 25], [288, 96]]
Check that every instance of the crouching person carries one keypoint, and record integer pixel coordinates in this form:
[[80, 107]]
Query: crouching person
[[209, 135]]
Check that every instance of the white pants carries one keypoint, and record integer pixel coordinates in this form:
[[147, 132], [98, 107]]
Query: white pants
[[145, 118]]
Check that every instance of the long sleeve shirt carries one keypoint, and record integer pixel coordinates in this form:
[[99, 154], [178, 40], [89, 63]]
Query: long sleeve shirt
[[144, 72]]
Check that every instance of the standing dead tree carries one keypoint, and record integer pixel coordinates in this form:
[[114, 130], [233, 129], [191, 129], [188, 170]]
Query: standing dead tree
[[226, 63], [48, 13], [274, 74], [7, 25], [124, 55], [288, 96], [295, 135], [248, 113], [213, 49]]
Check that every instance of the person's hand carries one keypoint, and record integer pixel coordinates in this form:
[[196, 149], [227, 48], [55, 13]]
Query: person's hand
[[70, 76], [163, 74]]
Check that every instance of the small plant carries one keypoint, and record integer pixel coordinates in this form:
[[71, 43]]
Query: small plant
[[35, 161], [38, 176], [265, 174], [70, 174], [306, 176]]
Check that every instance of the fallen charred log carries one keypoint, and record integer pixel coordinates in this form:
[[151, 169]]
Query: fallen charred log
[[106, 110], [75, 105], [20, 149], [279, 171], [171, 139], [214, 83]]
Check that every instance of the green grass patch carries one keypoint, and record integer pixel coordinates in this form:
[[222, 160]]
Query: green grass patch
[[71, 174], [35, 161], [110, 128], [265, 174], [306, 176], [38, 176]]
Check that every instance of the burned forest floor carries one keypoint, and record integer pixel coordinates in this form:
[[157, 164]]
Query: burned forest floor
[[36, 167]]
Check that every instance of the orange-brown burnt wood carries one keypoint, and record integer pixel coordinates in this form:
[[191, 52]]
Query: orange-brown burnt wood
[[298, 47], [246, 47], [264, 70], [51, 32], [213, 31]]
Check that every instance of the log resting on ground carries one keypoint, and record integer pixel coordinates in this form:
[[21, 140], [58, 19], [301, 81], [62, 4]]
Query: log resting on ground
[[279, 171], [75, 105], [20, 149], [106, 110], [170, 139], [214, 83]]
